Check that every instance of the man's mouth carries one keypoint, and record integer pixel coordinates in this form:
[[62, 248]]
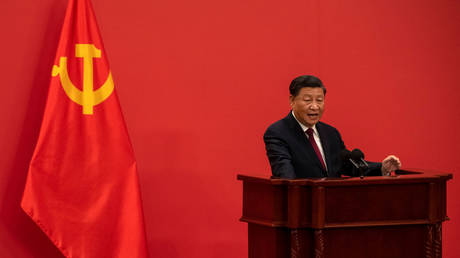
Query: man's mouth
[[312, 115]]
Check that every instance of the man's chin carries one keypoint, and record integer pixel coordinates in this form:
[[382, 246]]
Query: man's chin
[[310, 123]]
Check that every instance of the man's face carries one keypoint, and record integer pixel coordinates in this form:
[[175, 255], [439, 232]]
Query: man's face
[[308, 105]]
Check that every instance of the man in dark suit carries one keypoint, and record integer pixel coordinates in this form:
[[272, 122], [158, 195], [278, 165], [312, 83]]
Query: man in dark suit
[[300, 146]]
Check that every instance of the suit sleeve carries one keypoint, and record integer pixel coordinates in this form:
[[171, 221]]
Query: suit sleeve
[[279, 155], [375, 169]]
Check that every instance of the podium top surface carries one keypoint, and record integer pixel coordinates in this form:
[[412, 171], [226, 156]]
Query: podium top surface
[[399, 177]]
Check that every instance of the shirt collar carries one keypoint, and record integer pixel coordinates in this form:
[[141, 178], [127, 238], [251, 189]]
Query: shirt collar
[[304, 128]]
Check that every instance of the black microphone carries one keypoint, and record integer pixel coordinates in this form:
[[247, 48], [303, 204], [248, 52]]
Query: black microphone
[[346, 158], [357, 156]]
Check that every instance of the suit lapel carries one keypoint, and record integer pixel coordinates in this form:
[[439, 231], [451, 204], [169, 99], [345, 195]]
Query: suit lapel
[[300, 134]]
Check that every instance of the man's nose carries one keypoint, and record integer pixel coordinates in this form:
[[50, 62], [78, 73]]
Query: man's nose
[[314, 106]]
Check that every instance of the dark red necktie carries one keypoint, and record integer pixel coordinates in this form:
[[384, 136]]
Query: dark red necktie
[[315, 146]]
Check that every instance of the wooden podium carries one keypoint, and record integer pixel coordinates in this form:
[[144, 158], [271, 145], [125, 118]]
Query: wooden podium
[[375, 217]]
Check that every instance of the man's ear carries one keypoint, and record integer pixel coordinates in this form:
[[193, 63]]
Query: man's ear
[[291, 100]]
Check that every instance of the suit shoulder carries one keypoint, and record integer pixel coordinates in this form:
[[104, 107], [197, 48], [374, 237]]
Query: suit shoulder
[[326, 126], [327, 129], [278, 126]]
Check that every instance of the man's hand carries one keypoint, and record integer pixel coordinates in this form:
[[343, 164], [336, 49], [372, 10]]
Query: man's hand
[[390, 163]]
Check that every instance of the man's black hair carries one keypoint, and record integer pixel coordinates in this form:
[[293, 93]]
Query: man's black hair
[[305, 81]]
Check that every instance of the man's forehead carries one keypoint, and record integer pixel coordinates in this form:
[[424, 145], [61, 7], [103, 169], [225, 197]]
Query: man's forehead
[[309, 91]]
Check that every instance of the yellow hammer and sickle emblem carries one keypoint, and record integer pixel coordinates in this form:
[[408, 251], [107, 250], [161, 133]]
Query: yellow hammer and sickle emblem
[[88, 98]]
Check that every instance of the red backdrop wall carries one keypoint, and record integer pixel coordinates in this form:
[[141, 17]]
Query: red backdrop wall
[[199, 81]]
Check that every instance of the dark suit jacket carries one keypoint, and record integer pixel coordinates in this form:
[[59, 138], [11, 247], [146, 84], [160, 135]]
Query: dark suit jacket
[[292, 156]]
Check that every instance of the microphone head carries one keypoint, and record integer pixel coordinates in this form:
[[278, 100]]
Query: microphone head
[[356, 154]]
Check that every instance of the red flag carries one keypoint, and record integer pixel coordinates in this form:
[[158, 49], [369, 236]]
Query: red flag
[[82, 187]]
